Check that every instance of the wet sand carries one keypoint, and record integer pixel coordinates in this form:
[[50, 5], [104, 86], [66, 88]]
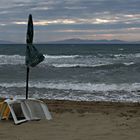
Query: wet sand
[[79, 121]]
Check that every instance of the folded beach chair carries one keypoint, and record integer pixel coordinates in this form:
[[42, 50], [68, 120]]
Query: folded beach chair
[[4, 111], [28, 109]]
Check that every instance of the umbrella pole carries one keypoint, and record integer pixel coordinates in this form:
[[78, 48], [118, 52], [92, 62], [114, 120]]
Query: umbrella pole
[[27, 80]]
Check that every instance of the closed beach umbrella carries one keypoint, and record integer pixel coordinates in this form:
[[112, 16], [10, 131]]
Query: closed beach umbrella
[[33, 56]]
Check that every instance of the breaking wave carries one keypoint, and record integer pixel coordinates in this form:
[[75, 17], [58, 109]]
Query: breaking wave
[[12, 59], [74, 91], [129, 63], [136, 55], [78, 65], [73, 61], [90, 87], [60, 56]]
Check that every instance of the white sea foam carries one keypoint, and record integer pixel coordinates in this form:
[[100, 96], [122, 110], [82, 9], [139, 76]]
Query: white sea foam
[[60, 56], [136, 55], [79, 65], [90, 87], [71, 60], [12, 59], [120, 49], [18, 59], [129, 63], [74, 91]]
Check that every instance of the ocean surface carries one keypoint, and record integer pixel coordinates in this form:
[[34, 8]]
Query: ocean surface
[[74, 72]]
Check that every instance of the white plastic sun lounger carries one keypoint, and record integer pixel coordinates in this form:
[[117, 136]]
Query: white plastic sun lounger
[[35, 109], [30, 109]]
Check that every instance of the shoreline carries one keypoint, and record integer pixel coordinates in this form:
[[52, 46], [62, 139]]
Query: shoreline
[[66, 105]]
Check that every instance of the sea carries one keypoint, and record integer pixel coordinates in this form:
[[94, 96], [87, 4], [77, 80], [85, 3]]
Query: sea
[[81, 72]]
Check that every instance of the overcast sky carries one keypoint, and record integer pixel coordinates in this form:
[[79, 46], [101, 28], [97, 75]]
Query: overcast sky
[[64, 19]]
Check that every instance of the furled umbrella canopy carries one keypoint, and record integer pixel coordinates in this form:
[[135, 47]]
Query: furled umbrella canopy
[[33, 56]]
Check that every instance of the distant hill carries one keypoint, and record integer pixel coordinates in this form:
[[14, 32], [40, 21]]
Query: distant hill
[[6, 42], [83, 41], [78, 41]]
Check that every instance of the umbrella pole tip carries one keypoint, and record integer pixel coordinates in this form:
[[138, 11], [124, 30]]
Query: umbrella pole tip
[[30, 15]]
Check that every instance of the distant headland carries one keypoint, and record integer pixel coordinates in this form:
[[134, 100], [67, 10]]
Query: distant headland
[[78, 41]]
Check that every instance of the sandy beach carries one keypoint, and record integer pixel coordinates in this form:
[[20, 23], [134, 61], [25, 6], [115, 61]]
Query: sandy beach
[[79, 121]]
